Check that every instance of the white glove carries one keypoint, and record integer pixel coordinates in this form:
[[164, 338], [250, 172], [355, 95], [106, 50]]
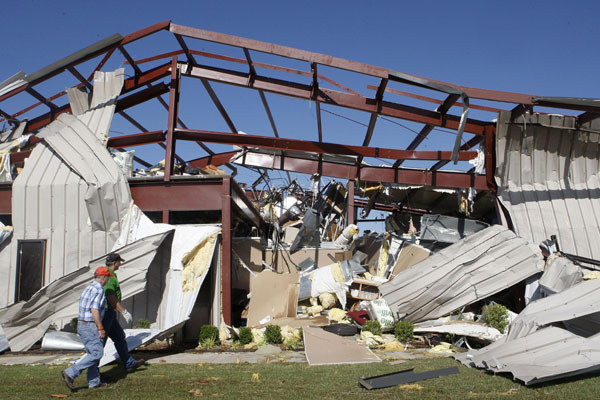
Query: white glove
[[127, 316]]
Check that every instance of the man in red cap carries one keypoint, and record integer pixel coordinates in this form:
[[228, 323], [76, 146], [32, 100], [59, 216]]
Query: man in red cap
[[112, 290], [92, 304]]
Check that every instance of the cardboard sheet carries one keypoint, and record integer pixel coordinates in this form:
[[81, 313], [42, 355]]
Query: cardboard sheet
[[324, 348], [273, 296], [410, 255]]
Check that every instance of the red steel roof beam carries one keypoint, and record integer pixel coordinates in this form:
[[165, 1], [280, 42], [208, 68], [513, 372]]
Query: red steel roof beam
[[316, 147], [335, 98]]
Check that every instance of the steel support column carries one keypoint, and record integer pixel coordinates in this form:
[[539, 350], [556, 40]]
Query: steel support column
[[490, 156], [226, 250], [351, 214], [173, 105]]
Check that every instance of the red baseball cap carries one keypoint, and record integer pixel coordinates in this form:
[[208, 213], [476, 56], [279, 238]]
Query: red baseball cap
[[102, 271]]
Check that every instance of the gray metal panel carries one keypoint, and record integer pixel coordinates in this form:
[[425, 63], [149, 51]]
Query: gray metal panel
[[560, 274], [471, 269], [547, 178], [578, 301], [547, 354]]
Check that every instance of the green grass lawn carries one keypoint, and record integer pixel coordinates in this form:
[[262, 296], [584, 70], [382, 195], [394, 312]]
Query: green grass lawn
[[282, 381]]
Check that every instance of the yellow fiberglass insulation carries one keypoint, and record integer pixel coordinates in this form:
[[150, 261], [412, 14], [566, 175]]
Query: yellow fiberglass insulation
[[196, 263], [337, 315], [338, 274], [327, 300]]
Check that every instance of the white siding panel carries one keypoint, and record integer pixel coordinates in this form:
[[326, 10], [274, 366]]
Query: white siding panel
[[548, 180]]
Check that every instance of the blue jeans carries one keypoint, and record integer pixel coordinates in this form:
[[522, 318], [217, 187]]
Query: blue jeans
[[115, 332], [94, 349]]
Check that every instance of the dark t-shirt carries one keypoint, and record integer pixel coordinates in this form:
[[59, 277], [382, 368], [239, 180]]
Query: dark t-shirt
[[112, 288]]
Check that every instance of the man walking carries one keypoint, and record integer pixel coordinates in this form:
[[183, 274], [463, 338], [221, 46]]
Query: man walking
[[112, 290], [92, 304]]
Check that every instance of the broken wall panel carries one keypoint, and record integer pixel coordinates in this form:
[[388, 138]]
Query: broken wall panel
[[25, 323], [472, 269], [70, 193], [548, 173]]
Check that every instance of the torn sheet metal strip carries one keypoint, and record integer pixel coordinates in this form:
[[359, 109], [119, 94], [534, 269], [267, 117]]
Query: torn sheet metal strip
[[440, 87], [403, 377]]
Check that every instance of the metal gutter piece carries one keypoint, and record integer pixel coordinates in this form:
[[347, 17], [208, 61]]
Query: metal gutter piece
[[403, 377]]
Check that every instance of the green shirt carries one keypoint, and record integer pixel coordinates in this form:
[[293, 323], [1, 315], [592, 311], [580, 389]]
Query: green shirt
[[112, 288]]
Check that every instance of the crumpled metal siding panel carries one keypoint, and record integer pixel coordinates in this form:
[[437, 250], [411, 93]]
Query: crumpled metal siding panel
[[70, 192], [25, 323], [473, 268], [547, 176], [548, 354]]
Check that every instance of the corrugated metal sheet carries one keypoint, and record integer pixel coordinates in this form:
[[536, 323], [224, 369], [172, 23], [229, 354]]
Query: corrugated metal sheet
[[25, 323], [70, 192], [533, 352], [471, 269], [547, 354], [578, 301], [548, 179]]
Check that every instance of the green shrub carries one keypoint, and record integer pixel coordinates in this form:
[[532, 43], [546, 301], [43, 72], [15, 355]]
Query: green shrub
[[292, 344], [496, 316], [209, 332], [208, 343], [301, 334], [245, 335], [372, 326], [273, 334], [141, 324], [404, 331]]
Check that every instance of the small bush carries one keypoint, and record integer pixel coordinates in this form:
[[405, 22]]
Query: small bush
[[496, 316], [292, 344], [273, 334], [141, 324], [404, 331], [209, 332], [301, 334], [372, 326], [245, 335], [208, 343]]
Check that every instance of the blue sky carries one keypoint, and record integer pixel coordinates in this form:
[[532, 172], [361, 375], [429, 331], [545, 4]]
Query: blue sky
[[536, 47]]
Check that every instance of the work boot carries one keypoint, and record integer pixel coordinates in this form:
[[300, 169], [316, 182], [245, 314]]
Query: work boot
[[138, 363], [68, 380]]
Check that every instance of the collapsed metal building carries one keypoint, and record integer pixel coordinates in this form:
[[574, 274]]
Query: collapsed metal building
[[533, 168]]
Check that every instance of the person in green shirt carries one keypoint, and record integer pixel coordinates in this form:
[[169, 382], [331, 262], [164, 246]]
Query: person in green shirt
[[113, 329]]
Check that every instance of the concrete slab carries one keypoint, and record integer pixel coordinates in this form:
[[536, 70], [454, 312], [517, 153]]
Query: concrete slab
[[37, 359], [268, 349]]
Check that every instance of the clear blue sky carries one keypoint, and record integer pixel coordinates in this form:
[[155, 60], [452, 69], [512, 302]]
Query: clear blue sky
[[537, 47], [541, 47]]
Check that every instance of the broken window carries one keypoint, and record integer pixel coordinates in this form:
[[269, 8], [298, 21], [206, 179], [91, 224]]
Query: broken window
[[31, 268]]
